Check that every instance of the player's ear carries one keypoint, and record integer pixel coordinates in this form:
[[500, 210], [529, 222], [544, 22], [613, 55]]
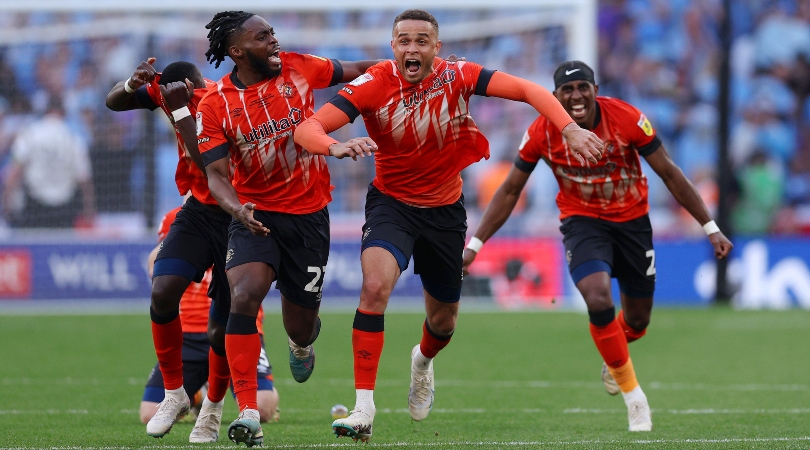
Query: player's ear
[[234, 51], [595, 89], [438, 47]]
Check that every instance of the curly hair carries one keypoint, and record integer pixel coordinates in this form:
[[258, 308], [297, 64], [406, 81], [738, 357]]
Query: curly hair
[[222, 26]]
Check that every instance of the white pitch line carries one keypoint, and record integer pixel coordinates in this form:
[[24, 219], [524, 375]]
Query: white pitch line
[[489, 384], [584, 442], [704, 411]]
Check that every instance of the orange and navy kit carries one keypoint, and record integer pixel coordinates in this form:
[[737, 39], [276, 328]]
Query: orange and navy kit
[[613, 189], [195, 303], [188, 176], [251, 126], [424, 132]]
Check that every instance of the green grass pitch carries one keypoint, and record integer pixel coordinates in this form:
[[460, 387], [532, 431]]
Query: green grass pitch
[[715, 378]]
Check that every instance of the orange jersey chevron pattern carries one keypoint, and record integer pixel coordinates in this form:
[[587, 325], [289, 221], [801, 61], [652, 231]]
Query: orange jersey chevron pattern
[[424, 131], [257, 124], [187, 176], [614, 188]]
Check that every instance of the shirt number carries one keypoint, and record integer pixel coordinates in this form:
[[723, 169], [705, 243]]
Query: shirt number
[[314, 285]]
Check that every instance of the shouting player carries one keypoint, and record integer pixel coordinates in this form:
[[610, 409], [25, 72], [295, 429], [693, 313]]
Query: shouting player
[[196, 240], [605, 226], [415, 109], [278, 196]]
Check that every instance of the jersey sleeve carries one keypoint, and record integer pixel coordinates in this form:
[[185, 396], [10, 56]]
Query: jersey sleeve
[[530, 149], [211, 139], [319, 72], [639, 130], [149, 96], [358, 95], [476, 76]]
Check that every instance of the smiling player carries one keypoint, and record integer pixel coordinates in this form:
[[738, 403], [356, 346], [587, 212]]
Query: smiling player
[[605, 226]]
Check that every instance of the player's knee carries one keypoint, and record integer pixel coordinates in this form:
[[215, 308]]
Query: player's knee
[[216, 334], [166, 293], [597, 298], [442, 324], [375, 290], [638, 322], [245, 299]]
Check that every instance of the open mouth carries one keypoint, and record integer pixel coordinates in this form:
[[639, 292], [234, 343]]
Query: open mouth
[[412, 66], [578, 111], [274, 58]]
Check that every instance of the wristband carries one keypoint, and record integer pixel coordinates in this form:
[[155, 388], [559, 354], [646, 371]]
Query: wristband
[[180, 113], [127, 87], [475, 244], [710, 227]]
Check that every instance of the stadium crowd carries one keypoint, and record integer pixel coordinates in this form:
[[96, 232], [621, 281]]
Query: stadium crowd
[[661, 55]]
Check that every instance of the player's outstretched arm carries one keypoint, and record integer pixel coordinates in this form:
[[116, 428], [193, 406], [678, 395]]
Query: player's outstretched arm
[[177, 95], [221, 188], [498, 210], [121, 97], [582, 143], [687, 195], [312, 135], [353, 69]]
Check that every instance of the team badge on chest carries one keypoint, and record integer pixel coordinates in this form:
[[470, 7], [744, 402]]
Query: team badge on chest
[[286, 90]]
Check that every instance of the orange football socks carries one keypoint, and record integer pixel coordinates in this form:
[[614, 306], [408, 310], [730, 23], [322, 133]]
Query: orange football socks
[[168, 339], [243, 355], [629, 332], [219, 374], [432, 344], [368, 337], [611, 342], [625, 376]]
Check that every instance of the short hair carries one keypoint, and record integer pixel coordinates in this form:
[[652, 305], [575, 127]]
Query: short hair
[[179, 71], [417, 14], [222, 26]]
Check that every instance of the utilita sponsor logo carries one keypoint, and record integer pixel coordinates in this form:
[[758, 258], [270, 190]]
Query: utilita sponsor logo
[[273, 126]]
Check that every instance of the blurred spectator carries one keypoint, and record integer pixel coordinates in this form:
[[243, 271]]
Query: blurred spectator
[[50, 168], [662, 55], [761, 189], [492, 178]]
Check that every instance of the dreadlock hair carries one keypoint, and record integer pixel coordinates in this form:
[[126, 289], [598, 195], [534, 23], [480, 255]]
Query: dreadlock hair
[[418, 14], [222, 26], [179, 71]]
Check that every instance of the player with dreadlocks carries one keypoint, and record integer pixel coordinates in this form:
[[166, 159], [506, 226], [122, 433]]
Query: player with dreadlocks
[[278, 195]]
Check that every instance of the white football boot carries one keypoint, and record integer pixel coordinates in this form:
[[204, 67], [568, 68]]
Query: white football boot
[[209, 420], [358, 425], [638, 410], [175, 406], [611, 386], [420, 395]]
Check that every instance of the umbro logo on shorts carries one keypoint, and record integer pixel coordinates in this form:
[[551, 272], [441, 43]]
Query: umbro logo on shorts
[[365, 233], [229, 255], [568, 257]]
